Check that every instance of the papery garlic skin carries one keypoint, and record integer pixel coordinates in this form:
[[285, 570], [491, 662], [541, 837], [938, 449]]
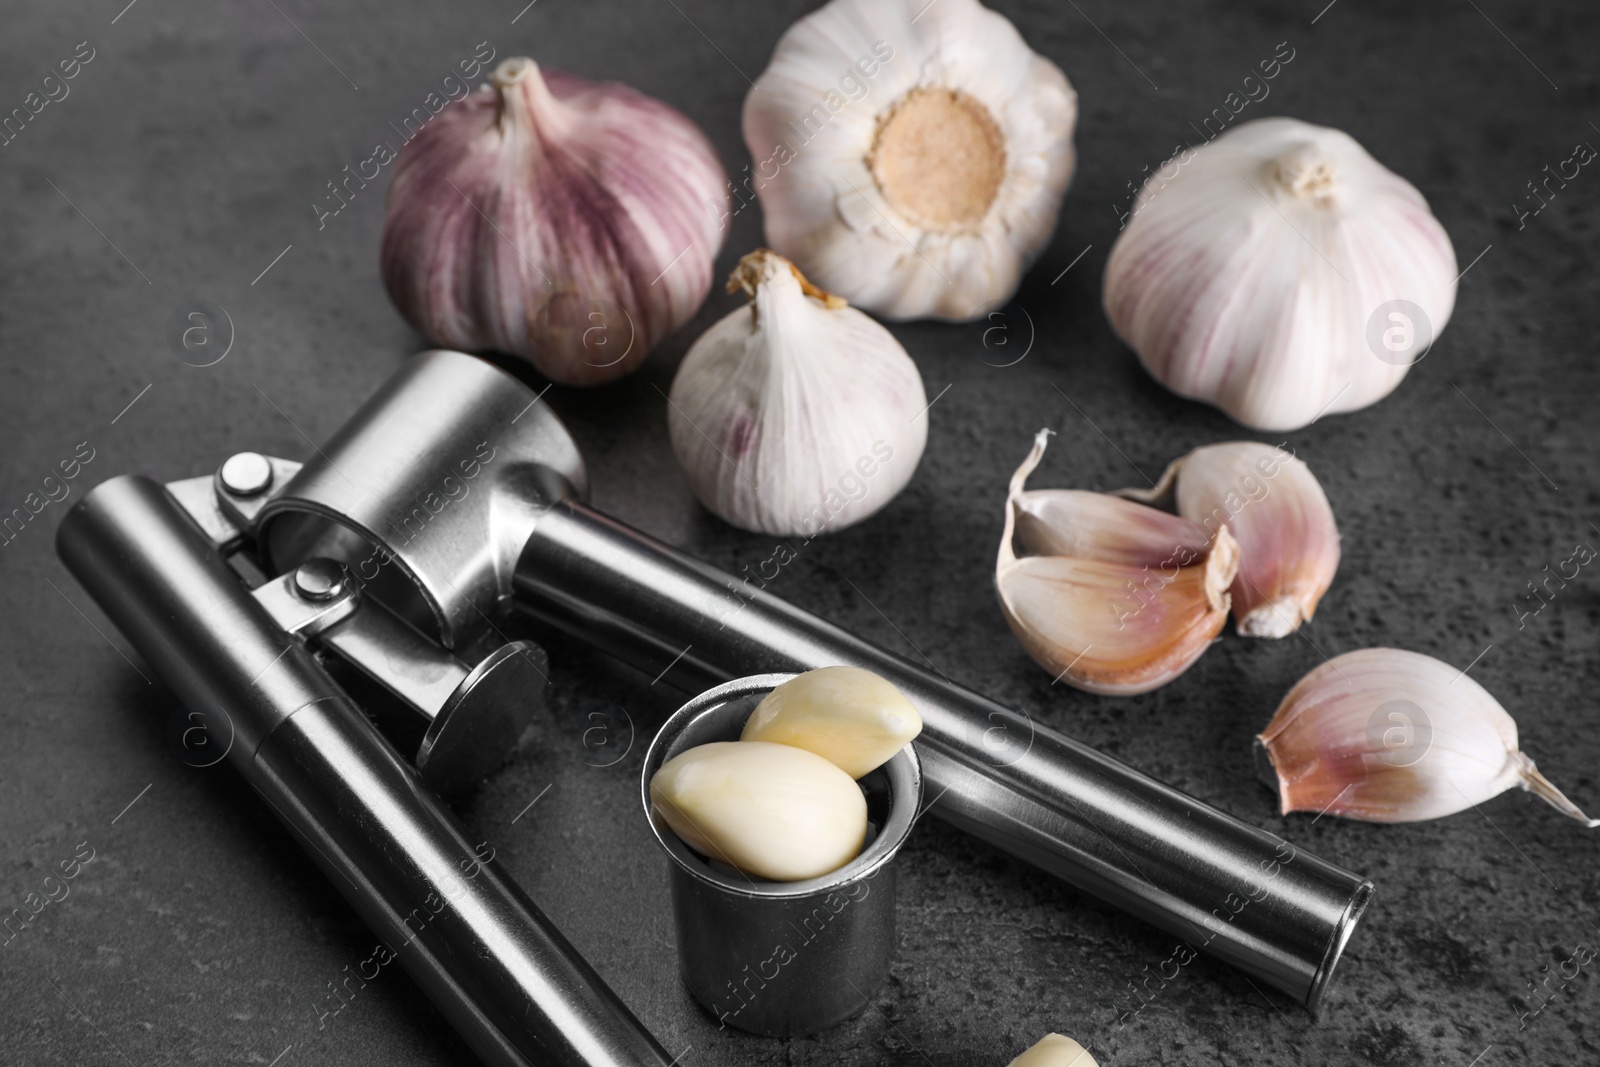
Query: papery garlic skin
[[1386, 735], [560, 220], [1276, 509], [927, 195], [797, 414], [772, 811], [1106, 625], [1249, 279], [1055, 1050], [850, 717], [1098, 526]]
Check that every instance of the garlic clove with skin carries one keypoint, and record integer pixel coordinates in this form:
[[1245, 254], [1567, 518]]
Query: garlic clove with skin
[[560, 220], [910, 156], [1096, 626], [772, 811], [1116, 627], [1386, 735], [797, 414], [1281, 274], [1276, 509], [850, 717]]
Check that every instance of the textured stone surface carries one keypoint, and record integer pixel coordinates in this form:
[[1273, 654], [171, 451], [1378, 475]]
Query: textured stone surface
[[197, 139]]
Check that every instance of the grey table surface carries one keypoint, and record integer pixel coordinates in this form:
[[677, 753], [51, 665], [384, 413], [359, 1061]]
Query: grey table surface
[[187, 157]]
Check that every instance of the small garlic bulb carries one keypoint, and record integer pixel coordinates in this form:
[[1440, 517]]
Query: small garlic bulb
[[772, 811], [1134, 604], [1275, 508], [850, 717], [796, 414], [1385, 735], [1281, 274], [561, 220], [910, 156]]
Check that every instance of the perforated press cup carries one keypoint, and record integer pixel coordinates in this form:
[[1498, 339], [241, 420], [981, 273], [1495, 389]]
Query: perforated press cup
[[782, 959]]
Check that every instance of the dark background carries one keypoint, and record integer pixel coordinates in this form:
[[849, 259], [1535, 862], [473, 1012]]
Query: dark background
[[196, 142]]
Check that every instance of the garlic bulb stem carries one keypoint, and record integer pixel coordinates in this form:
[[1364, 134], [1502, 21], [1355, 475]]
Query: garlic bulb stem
[[532, 106]]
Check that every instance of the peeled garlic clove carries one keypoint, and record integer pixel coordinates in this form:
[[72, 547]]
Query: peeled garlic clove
[[569, 222], [1116, 628], [796, 414], [910, 156], [1054, 1050], [1281, 274], [1276, 509], [1385, 735], [850, 717], [772, 811]]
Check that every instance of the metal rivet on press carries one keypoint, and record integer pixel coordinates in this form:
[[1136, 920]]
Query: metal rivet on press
[[246, 474], [319, 579]]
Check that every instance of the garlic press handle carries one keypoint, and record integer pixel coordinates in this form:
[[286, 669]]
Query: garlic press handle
[[513, 987]]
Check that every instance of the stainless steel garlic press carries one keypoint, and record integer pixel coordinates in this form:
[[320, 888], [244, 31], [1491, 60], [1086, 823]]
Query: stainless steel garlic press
[[405, 550]]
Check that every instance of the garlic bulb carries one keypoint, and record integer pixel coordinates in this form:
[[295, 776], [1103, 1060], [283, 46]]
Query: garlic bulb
[[1385, 735], [850, 717], [1055, 1050], [772, 811], [796, 414], [1137, 604], [557, 219], [1282, 273], [910, 156], [1275, 508]]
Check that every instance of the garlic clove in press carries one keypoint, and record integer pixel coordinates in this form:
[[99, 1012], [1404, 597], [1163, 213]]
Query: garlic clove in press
[[910, 156], [1112, 627], [797, 414], [1276, 509], [1055, 1050], [772, 811], [850, 717], [1281, 274], [1385, 735], [560, 220]]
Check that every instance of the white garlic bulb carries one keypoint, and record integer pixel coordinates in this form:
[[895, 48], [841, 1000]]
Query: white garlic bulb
[[1281, 274], [796, 414], [1276, 509], [850, 717], [910, 156], [772, 811], [557, 219], [1134, 605], [1386, 735]]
